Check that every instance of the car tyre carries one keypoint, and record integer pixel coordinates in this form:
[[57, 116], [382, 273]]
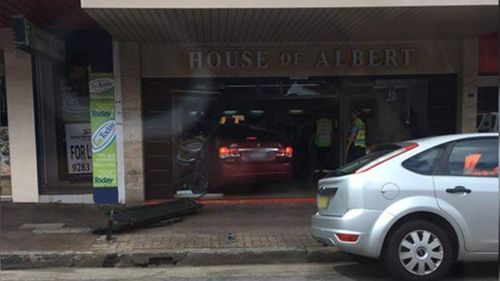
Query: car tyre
[[416, 244]]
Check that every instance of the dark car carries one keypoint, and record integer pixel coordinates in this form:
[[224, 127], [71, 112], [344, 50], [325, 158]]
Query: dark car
[[241, 154]]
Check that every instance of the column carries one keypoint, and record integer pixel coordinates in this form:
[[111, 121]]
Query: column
[[469, 81], [21, 116], [130, 86]]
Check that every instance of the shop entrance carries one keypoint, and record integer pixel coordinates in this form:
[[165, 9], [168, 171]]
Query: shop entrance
[[247, 117], [401, 108], [276, 137]]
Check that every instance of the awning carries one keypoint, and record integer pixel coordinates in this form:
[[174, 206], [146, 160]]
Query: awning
[[266, 4], [164, 23]]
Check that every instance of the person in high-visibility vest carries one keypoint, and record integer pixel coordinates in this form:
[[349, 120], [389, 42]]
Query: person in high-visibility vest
[[356, 143]]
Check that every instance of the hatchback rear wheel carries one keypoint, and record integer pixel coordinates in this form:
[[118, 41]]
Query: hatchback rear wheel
[[418, 250]]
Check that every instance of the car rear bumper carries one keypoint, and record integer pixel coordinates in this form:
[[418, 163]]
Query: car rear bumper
[[243, 172], [356, 221]]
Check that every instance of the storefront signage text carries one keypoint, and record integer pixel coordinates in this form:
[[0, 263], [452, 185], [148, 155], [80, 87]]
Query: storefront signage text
[[235, 59], [78, 148]]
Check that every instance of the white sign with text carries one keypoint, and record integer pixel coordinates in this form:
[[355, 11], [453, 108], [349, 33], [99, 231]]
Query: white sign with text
[[79, 148]]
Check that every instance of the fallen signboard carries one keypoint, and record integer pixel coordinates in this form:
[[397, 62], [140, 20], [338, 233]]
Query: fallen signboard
[[122, 219]]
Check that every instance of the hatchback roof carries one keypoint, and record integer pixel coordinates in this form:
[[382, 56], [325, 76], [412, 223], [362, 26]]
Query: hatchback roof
[[452, 137]]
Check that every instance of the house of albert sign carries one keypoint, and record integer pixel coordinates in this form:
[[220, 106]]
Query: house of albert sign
[[391, 58], [332, 58]]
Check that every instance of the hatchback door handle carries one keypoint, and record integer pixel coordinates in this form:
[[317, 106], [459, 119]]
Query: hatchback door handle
[[458, 189]]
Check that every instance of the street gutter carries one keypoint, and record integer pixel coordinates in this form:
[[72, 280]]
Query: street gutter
[[183, 257]]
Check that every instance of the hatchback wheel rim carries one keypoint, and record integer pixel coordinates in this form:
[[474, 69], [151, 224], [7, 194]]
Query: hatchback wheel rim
[[421, 252]]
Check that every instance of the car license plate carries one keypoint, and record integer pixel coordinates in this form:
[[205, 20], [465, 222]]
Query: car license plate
[[323, 201], [260, 155]]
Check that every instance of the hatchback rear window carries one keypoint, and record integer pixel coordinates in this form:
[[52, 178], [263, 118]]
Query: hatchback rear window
[[425, 162], [355, 165]]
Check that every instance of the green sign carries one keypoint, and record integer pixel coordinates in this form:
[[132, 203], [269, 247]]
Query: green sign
[[102, 122], [33, 39]]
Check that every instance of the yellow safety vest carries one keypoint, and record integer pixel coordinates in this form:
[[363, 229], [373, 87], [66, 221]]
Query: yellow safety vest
[[361, 134]]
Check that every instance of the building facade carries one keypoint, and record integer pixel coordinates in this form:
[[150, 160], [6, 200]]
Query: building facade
[[102, 123]]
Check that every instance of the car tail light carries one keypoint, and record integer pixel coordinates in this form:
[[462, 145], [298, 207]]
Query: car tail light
[[387, 157], [227, 152], [349, 238], [285, 152], [224, 152], [234, 151], [280, 152]]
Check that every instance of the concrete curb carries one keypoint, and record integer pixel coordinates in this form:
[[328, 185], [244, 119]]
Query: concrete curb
[[183, 257]]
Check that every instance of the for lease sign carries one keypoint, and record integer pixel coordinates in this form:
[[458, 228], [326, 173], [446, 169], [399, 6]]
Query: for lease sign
[[78, 148]]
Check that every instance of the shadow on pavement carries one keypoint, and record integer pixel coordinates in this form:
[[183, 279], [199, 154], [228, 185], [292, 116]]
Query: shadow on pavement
[[459, 271], [474, 270]]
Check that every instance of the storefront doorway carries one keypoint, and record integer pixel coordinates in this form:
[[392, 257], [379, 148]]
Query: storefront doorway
[[282, 109], [278, 113]]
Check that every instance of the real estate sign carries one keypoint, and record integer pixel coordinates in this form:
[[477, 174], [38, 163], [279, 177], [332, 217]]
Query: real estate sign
[[78, 148]]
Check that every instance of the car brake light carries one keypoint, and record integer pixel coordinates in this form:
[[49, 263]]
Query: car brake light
[[224, 152], [350, 238], [285, 152], [386, 158], [234, 152]]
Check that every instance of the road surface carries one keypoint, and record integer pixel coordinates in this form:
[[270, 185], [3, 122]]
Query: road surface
[[289, 272]]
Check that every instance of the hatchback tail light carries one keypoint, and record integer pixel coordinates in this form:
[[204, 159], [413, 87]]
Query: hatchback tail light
[[345, 237], [387, 157]]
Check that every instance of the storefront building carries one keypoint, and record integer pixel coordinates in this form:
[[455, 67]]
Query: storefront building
[[155, 73]]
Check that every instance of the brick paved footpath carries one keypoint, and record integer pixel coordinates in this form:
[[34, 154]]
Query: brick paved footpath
[[213, 227]]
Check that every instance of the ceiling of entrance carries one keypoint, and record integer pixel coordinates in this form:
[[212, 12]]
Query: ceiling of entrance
[[200, 26], [51, 14]]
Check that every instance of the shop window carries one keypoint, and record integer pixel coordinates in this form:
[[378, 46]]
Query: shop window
[[487, 109], [63, 113], [441, 106], [5, 185]]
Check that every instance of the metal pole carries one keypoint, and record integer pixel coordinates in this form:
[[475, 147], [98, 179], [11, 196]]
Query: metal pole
[[109, 230]]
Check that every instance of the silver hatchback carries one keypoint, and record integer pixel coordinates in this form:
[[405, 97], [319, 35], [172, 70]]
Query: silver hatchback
[[418, 205]]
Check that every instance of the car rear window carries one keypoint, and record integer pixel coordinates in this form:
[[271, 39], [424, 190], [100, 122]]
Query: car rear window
[[373, 155], [241, 133]]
